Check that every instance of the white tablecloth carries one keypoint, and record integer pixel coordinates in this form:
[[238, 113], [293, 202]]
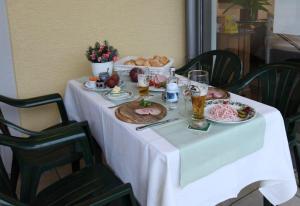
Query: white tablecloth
[[152, 165]]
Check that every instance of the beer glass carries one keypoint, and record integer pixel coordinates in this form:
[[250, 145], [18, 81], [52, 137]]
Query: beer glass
[[143, 83], [198, 88]]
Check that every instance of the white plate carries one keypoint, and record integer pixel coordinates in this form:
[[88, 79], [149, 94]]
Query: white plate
[[117, 97], [96, 89], [154, 89], [235, 105]]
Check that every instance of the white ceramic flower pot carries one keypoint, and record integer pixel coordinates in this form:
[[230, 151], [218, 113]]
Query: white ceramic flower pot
[[102, 67]]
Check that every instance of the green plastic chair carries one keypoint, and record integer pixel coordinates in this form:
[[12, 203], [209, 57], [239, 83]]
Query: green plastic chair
[[48, 158], [278, 86], [92, 185], [224, 67]]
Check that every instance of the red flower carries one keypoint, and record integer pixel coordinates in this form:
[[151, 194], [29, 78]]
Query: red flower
[[106, 56], [93, 57], [115, 58]]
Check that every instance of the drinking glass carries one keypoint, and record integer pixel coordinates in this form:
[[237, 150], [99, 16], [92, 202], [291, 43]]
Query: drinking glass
[[143, 83], [185, 94], [198, 88]]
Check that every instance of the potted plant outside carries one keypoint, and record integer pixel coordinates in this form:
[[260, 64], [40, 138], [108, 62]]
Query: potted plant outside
[[249, 8], [102, 57]]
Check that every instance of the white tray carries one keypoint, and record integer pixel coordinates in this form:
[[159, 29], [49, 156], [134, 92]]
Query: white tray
[[119, 66]]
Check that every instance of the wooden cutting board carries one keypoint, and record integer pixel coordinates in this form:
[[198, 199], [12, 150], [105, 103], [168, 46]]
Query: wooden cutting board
[[126, 113]]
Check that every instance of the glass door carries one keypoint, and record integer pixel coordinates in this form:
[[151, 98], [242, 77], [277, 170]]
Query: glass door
[[243, 29]]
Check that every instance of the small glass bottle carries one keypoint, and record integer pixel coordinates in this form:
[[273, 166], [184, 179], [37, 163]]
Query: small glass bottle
[[172, 78]]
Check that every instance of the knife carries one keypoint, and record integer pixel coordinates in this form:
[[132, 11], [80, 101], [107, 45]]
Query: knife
[[156, 123]]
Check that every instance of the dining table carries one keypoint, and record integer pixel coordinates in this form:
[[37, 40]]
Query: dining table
[[153, 164]]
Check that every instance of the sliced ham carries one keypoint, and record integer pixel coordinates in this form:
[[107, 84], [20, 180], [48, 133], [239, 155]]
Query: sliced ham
[[160, 78], [147, 111]]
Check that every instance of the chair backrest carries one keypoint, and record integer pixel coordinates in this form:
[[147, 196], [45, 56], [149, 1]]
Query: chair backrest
[[224, 67], [278, 86]]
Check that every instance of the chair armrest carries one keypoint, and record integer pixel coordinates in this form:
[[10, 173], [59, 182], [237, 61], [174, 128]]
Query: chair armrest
[[45, 139], [108, 197], [40, 141], [38, 101]]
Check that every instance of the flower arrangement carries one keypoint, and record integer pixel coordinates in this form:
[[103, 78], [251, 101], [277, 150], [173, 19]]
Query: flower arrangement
[[102, 53]]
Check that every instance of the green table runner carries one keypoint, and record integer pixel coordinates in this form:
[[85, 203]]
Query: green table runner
[[201, 153]]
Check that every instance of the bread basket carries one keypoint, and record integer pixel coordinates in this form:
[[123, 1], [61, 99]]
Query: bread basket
[[120, 66]]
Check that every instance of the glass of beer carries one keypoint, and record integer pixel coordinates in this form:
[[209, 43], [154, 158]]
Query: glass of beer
[[143, 83], [198, 89]]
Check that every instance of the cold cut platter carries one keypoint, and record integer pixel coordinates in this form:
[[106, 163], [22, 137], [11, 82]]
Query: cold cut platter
[[137, 113]]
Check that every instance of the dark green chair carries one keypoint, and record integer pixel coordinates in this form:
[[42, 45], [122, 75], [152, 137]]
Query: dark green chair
[[278, 86], [92, 185], [224, 67], [48, 158]]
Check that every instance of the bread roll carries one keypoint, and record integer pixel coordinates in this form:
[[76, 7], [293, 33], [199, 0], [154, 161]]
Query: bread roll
[[130, 62], [140, 61], [147, 63], [164, 60], [155, 63], [156, 57]]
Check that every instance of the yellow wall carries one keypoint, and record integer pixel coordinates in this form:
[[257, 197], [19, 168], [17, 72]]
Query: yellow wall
[[49, 39]]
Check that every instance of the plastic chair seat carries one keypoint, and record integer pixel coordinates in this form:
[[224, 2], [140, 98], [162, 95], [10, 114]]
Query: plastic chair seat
[[82, 185]]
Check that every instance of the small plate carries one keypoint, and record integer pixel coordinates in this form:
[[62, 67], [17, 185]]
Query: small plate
[[121, 96], [235, 105], [155, 89], [96, 89], [85, 86]]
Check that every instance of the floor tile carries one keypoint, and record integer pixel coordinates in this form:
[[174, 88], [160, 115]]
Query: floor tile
[[245, 192], [256, 199], [253, 199], [295, 201]]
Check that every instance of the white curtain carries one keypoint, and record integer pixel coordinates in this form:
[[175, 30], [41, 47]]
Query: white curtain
[[287, 17]]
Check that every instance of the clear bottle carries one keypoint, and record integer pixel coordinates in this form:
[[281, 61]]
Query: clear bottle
[[172, 78]]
